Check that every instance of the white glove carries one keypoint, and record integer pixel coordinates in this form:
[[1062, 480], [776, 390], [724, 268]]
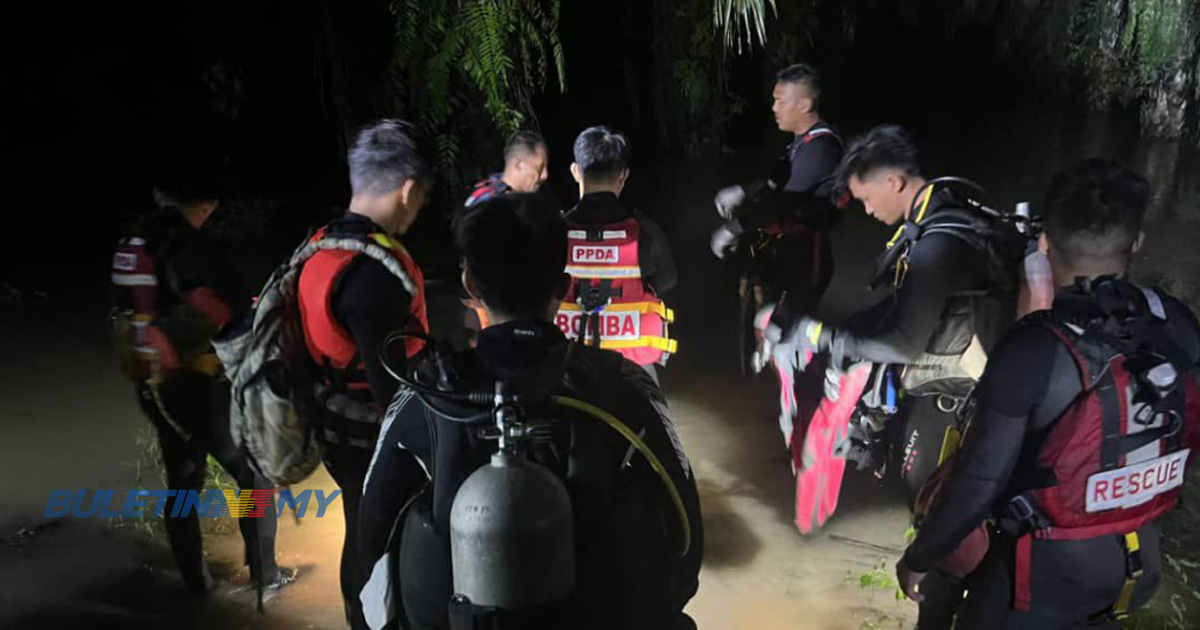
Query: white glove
[[723, 241], [833, 383], [728, 199]]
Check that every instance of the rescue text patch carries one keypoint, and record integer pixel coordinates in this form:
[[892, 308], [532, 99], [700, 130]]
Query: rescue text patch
[[1134, 485]]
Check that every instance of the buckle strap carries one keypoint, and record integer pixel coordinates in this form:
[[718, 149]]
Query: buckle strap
[[1026, 517], [1133, 573], [643, 308]]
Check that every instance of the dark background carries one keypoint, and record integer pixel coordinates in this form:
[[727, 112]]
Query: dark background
[[101, 99]]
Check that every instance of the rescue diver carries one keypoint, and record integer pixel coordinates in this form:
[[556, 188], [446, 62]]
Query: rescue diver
[[795, 206], [173, 292], [954, 291], [351, 302], [618, 259], [1107, 375], [526, 167], [628, 533]]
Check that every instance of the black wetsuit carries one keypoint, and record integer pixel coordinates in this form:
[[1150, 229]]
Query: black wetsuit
[[370, 303], [654, 252], [947, 277], [800, 194], [626, 529], [1030, 381], [195, 281]]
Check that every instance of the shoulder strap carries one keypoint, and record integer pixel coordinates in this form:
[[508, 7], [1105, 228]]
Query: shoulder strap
[[359, 245], [1155, 303]]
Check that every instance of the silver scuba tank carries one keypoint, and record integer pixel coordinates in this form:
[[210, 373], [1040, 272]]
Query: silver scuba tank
[[512, 537]]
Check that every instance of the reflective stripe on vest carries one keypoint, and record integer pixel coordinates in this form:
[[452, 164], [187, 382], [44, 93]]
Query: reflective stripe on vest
[[603, 262]]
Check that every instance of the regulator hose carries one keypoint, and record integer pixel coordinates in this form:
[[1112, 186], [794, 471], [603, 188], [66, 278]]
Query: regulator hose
[[425, 392], [632, 438]]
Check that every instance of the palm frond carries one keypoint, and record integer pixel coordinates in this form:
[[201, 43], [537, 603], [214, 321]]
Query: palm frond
[[742, 20]]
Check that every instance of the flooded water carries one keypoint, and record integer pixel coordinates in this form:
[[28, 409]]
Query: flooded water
[[69, 421]]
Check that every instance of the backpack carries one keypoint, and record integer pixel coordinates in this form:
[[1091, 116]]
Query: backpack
[[278, 394]]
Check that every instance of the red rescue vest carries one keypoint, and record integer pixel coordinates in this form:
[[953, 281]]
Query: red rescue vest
[[1114, 461], [1105, 479], [607, 290], [329, 344]]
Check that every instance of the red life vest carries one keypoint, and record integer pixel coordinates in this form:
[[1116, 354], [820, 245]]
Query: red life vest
[[1106, 481], [143, 349], [608, 291], [1116, 459], [329, 344], [134, 276]]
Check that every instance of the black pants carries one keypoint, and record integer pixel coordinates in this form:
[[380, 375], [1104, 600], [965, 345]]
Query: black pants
[[802, 268], [348, 466], [943, 598], [1071, 582], [200, 405]]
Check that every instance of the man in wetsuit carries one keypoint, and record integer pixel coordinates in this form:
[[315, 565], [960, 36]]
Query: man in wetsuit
[[1041, 570], [350, 303], [176, 282], [634, 568], [954, 286], [526, 167], [795, 206]]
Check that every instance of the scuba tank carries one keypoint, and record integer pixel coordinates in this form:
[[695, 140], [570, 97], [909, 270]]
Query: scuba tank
[[512, 533], [510, 537]]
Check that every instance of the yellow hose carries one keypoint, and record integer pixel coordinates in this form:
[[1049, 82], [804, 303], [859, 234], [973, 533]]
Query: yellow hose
[[637, 443]]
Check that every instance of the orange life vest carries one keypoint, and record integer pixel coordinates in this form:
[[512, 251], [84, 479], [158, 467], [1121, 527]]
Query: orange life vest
[[329, 343]]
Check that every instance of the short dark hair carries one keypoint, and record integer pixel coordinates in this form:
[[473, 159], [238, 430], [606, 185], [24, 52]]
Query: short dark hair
[[1094, 211], [601, 153], [383, 156], [805, 75], [885, 146], [515, 247], [523, 143]]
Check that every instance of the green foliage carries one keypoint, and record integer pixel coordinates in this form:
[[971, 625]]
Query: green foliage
[[150, 462], [1152, 35], [695, 98], [452, 54], [878, 578]]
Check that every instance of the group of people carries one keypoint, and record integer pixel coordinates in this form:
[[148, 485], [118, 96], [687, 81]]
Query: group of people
[[1079, 400]]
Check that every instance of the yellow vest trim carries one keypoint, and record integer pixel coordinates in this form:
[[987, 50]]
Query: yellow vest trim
[[645, 308], [646, 341]]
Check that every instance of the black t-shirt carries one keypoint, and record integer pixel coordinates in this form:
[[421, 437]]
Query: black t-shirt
[[371, 303], [654, 253]]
